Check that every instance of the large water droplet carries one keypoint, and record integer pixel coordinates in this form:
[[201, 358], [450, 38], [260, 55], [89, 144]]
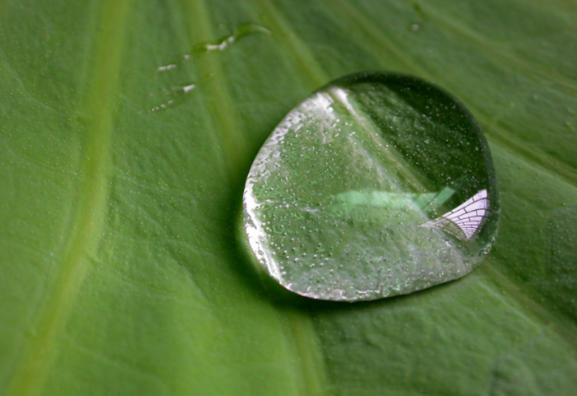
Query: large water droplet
[[375, 185]]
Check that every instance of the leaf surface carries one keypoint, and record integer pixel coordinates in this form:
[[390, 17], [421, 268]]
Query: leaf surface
[[120, 272]]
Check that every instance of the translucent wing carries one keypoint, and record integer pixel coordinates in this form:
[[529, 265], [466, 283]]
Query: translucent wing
[[466, 219]]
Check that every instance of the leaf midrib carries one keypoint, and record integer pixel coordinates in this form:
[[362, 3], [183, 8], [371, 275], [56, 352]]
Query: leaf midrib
[[84, 234]]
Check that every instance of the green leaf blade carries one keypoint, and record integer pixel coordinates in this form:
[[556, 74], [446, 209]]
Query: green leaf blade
[[158, 300]]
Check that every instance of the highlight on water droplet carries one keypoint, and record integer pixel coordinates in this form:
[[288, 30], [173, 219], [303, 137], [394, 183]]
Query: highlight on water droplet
[[376, 185]]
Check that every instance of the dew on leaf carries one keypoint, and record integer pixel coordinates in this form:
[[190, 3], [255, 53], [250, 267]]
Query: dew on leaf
[[387, 175], [239, 32], [175, 96]]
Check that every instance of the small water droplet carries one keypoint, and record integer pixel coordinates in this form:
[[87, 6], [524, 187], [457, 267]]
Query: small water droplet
[[177, 95], [188, 88], [239, 31], [167, 67], [380, 187]]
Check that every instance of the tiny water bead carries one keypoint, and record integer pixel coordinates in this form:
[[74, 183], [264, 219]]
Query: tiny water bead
[[376, 185], [176, 95], [238, 32]]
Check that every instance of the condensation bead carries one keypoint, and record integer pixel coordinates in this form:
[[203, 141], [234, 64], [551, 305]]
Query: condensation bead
[[375, 185]]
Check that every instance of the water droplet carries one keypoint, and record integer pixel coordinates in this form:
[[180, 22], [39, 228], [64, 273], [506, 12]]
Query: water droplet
[[167, 67], [239, 31], [177, 95], [384, 180]]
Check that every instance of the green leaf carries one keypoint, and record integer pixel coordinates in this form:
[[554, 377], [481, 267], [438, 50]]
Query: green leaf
[[120, 272]]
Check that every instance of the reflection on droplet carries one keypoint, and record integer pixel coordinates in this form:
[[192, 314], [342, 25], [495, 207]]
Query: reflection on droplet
[[466, 219], [376, 185]]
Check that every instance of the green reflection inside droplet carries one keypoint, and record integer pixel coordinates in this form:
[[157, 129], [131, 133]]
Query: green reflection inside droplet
[[375, 185]]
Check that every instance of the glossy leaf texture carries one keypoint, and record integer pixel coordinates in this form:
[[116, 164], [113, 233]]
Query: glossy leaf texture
[[119, 270]]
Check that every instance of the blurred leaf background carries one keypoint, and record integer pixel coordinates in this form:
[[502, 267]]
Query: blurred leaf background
[[119, 270]]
